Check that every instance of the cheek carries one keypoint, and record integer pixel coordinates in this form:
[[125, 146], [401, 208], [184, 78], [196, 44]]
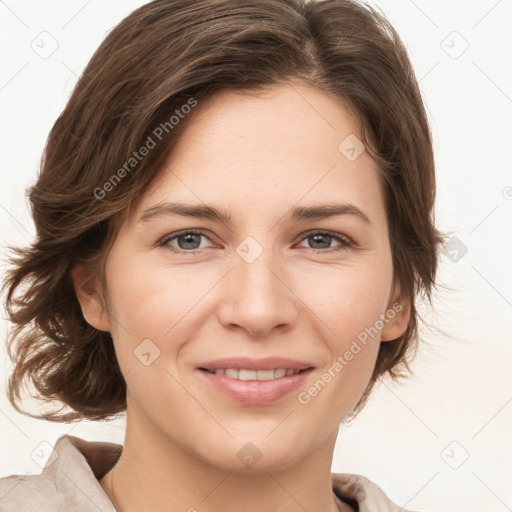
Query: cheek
[[347, 314], [348, 310], [149, 299], [158, 310], [347, 299]]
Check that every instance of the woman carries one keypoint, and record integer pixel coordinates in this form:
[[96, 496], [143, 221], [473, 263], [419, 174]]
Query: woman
[[234, 216]]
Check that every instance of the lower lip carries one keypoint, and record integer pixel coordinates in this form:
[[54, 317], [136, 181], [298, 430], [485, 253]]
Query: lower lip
[[255, 392]]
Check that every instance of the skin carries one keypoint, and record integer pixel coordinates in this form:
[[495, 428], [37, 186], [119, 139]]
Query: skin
[[255, 157]]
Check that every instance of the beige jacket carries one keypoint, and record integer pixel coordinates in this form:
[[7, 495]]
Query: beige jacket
[[70, 483]]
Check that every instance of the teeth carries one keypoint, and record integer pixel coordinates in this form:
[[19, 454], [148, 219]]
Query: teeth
[[255, 374]]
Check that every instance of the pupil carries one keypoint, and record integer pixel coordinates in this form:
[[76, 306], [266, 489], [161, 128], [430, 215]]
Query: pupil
[[187, 238], [315, 237]]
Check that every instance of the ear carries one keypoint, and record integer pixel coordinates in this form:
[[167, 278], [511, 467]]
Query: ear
[[397, 315], [88, 296]]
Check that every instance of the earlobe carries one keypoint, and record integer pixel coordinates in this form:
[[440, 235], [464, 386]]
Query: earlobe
[[396, 317], [88, 297]]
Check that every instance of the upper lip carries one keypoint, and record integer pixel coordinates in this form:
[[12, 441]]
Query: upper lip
[[247, 363]]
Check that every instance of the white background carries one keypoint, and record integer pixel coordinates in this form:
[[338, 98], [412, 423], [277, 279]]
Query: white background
[[461, 390]]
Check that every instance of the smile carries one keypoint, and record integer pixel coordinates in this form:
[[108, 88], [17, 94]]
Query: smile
[[253, 387], [244, 374]]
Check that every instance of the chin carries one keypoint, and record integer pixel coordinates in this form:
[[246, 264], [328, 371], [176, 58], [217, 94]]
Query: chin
[[256, 457]]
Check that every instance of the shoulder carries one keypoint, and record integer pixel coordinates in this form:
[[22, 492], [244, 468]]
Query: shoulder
[[361, 490], [69, 480]]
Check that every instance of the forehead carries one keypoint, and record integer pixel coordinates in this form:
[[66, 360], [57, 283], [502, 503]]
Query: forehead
[[280, 122], [255, 151]]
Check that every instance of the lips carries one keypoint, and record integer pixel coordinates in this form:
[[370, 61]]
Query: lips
[[253, 392], [239, 378], [246, 363]]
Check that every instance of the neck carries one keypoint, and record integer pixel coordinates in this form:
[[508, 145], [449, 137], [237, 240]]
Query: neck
[[155, 473]]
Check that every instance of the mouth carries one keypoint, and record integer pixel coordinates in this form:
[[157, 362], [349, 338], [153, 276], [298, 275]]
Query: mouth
[[253, 387], [259, 375]]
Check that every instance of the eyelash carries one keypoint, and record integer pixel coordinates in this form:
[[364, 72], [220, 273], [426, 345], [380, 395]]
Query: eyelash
[[345, 242]]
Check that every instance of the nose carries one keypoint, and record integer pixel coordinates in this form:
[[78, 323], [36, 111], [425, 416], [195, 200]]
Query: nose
[[258, 297]]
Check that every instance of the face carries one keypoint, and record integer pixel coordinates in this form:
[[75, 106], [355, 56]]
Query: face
[[267, 281]]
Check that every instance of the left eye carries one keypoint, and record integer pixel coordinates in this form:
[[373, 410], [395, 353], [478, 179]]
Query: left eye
[[325, 238], [189, 241]]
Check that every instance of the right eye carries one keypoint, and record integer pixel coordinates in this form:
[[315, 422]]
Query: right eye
[[187, 241]]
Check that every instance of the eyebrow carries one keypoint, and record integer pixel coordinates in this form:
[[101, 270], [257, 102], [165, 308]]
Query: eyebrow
[[299, 213]]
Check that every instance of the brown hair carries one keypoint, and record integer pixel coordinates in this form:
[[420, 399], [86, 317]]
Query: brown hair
[[163, 56]]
